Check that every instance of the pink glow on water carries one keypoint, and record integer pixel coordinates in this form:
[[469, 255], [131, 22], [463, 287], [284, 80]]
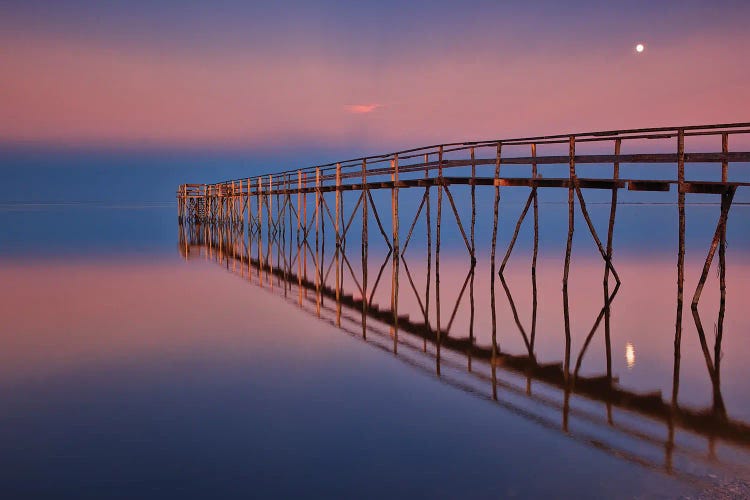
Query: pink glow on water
[[60, 317]]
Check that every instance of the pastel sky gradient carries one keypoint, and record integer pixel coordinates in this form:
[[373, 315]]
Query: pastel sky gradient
[[231, 73]]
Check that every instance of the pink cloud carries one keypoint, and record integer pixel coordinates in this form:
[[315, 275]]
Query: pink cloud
[[362, 108]]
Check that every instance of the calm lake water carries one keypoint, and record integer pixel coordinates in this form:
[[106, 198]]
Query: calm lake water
[[142, 360]]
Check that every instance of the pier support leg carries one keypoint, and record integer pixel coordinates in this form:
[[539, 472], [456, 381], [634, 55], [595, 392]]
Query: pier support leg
[[493, 248], [439, 332], [396, 252], [568, 248], [680, 262], [365, 239]]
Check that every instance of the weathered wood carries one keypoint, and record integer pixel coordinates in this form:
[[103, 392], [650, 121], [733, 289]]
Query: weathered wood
[[437, 259], [338, 206], [725, 153], [638, 185], [535, 253], [428, 228], [472, 250], [365, 241], [396, 251], [493, 305], [568, 249], [680, 263], [318, 263], [712, 363], [583, 183], [610, 236], [223, 204], [707, 187]]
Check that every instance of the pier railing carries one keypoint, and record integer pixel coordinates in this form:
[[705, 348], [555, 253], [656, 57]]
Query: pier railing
[[362, 173]]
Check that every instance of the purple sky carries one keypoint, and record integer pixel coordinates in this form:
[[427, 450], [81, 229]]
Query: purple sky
[[381, 75]]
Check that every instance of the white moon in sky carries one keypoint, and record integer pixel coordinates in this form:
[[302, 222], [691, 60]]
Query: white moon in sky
[[639, 48]]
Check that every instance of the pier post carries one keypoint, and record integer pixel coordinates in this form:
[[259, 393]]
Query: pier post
[[568, 248], [250, 220], [429, 249], [269, 207], [680, 262], [299, 205], [317, 231], [610, 235], [305, 228], [493, 249], [722, 267], [261, 262], [365, 237], [535, 175], [235, 214], [260, 204], [725, 151], [337, 253], [473, 251], [437, 257], [246, 205], [396, 250], [473, 205], [336, 227]]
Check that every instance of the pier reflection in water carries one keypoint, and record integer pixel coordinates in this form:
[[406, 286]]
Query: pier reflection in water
[[451, 322]]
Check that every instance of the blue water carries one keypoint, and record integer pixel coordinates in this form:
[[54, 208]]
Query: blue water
[[197, 384]]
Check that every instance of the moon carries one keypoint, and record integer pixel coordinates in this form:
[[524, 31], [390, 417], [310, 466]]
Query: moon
[[639, 48]]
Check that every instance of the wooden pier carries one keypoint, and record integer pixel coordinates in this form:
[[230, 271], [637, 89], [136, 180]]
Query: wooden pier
[[286, 213], [245, 200]]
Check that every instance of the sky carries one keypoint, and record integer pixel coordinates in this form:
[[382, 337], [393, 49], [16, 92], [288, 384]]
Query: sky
[[363, 77]]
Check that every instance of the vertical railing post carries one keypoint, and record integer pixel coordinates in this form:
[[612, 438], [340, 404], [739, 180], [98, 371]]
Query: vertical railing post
[[269, 206], [305, 229], [242, 206], [429, 247], [568, 247], [261, 263], [724, 161], [437, 257], [337, 253], [535, 254], [493, 248], [317, 230], [234, 214], [680, 261], [336, 227], [271, 230], [473, 253], [247, 206], [252, 219], [473, 208], [365, 237], [260, 204], [396, 249], [281, 204], [299, 207], [394, 202], [722, 269]]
